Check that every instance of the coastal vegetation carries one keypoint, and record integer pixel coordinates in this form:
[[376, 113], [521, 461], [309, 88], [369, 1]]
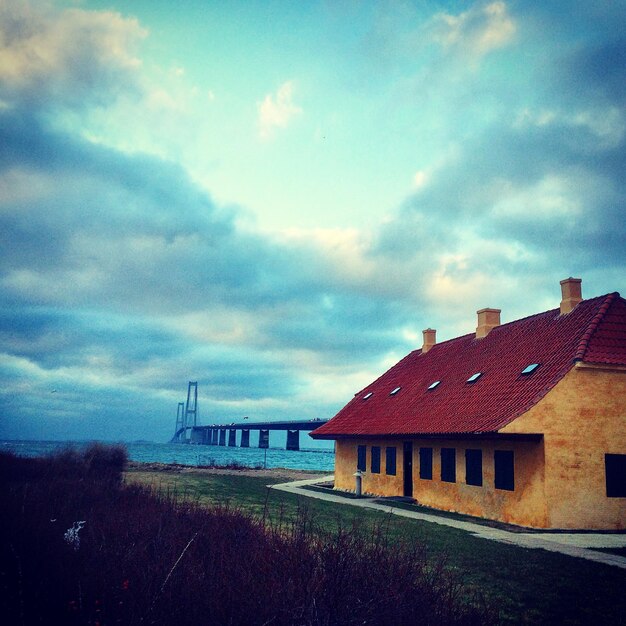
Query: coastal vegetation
[[524, 586], [80, 545]]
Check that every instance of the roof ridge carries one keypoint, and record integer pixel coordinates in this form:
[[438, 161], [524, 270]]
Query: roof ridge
[[473, 334], [583, 344], [554, 310], [515, 321]]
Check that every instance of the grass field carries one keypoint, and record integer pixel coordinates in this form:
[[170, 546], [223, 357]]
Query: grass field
[[527, 586]]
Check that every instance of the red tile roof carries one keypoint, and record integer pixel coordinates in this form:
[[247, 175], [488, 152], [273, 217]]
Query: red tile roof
[[594, 332]]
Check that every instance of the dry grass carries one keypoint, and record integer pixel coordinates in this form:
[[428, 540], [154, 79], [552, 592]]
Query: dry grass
[[158, 558]]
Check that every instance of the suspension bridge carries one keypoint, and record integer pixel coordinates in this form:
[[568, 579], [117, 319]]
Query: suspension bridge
[[187, 429]]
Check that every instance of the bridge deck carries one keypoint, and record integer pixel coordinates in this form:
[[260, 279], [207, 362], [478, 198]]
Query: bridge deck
[[285, 425]]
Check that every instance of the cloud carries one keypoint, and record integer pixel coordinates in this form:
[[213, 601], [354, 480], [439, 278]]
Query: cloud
[[71, 57], [277, 110], [525, 187], [476, 32], [420, 178], [121, 279]]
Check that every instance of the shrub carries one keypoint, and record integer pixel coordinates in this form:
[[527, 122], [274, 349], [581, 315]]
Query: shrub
[[144, 557], [105, 461], [210, 463]]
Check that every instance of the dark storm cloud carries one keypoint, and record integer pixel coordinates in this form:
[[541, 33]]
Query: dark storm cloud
[[90, 190], [64, 338], [104, 229], [121, 279], [544, 173], [337, 327], [102, 252]]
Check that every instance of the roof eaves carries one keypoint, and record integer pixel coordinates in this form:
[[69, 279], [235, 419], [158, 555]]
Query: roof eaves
[[443, 434]]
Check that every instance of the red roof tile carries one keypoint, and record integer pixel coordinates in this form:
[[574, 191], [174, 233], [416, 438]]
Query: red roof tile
[[606, 336], [594, 332]]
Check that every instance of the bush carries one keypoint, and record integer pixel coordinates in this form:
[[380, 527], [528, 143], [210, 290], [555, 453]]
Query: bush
[[96, 461], [77, 550], [105, 462]]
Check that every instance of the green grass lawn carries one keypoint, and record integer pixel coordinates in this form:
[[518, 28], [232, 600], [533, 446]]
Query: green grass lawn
[[528, 586]]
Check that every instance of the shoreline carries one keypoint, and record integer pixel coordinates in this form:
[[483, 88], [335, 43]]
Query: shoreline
[[269, 472]]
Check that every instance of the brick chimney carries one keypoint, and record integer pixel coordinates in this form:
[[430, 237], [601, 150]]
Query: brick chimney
[[488, 319], [571, 294], [429, 339]]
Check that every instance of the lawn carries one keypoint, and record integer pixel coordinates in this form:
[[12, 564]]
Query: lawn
[[528, 586]]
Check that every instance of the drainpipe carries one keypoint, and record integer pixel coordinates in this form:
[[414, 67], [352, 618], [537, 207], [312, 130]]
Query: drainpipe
[[359, 482]]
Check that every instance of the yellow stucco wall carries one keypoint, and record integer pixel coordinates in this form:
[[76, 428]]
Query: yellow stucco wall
[[582, 419], [559, 481], [377, 484], [524, 505], [521, 506]]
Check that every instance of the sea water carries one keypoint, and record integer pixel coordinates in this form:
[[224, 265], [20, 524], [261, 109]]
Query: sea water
[[190, 454]]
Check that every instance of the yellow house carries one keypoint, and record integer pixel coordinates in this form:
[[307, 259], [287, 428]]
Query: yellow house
[[521, 422]]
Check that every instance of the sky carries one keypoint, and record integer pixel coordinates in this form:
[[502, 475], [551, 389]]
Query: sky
[[275, 198]]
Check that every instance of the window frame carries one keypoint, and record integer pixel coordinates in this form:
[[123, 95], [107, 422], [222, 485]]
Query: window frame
[[391, 458], [361, 458], [426, 463], [504, 470], [474, 467], [375, 459], [448, 465]]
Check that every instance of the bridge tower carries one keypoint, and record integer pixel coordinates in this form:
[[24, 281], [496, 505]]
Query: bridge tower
[[179, 429], [180, 418], [191, 407]]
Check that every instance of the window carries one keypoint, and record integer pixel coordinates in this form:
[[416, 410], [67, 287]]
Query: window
[[615, 466], [529, 369], [375, 462], [474, 467], [360, 461], [395, 391], [390, 461], [474, 377], [448, 465], [368, 395], [426, 463], [504, 469], [434, 385]]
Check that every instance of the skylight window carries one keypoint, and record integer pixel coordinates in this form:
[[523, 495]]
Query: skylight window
[[395, 391], [433, 385], [529, 369], [474, 377], [368, 395]]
